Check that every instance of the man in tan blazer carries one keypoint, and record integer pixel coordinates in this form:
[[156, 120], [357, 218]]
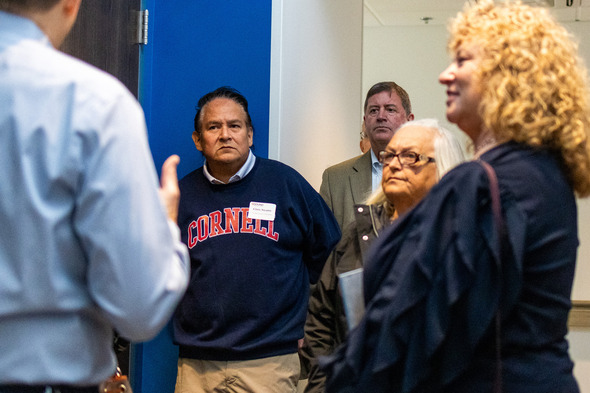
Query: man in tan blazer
[[387, 107]]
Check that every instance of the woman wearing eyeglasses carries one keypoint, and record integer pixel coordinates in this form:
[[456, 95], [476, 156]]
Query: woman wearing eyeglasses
[[463, 294], [417, 156]]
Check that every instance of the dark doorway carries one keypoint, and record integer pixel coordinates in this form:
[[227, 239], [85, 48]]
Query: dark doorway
[[101, 36]]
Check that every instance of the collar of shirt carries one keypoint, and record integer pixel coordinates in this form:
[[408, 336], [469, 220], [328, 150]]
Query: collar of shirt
[[376, 172], [244, 170], [14, 27]]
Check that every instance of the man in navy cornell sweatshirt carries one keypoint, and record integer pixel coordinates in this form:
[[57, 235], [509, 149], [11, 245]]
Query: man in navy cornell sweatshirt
[[257, 235]]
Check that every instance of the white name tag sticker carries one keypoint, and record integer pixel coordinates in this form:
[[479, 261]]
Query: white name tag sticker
[[262, 211]]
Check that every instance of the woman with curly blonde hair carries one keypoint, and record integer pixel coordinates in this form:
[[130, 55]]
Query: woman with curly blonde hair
[[534, 88], [464, 294]]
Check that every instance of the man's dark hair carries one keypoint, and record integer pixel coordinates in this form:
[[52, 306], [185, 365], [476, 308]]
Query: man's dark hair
[[221, 92], [391, 87], [17, 6]]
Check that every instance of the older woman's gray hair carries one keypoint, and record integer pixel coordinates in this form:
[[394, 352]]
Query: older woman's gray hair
[[448, 153]]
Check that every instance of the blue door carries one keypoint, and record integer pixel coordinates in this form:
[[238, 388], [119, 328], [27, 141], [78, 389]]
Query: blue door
[[194, 47]]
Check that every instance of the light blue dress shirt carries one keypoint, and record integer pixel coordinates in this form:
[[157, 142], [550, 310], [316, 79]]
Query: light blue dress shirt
[[240, 174], [376, 172], [85, 245]]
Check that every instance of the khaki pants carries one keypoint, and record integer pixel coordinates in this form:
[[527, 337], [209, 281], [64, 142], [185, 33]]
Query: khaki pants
[[277, 374]]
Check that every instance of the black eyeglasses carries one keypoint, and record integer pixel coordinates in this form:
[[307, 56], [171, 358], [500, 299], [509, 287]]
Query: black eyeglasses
[[406, 158]]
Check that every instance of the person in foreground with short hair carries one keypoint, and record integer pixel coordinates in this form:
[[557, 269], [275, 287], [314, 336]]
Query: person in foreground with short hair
[[87, 244], [464, 294], [387, 106], [417, 156], [258, 234]]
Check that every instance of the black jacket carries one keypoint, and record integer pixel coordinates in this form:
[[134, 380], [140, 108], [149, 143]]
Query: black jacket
[[325, 327], [437, 279]]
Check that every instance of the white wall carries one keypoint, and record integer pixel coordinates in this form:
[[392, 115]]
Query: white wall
[[580, 337], [315, 83], [582, 282], [579, 340], [411, 56]]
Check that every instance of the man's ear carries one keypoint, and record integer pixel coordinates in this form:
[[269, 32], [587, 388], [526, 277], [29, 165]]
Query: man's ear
[[197, 141], [57, 21], [250, 136], [69, 12], [71, 8]]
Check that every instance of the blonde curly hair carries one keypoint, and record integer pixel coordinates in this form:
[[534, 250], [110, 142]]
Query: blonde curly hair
[[535, 86]]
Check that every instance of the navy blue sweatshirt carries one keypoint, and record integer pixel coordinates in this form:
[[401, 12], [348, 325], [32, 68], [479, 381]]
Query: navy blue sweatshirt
[[250, 266]]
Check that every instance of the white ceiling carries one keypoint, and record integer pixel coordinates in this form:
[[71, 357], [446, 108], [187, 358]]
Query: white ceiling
[[415, 12]]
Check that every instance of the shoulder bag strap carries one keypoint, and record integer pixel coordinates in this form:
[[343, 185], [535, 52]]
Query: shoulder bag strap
[[499, 221]]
